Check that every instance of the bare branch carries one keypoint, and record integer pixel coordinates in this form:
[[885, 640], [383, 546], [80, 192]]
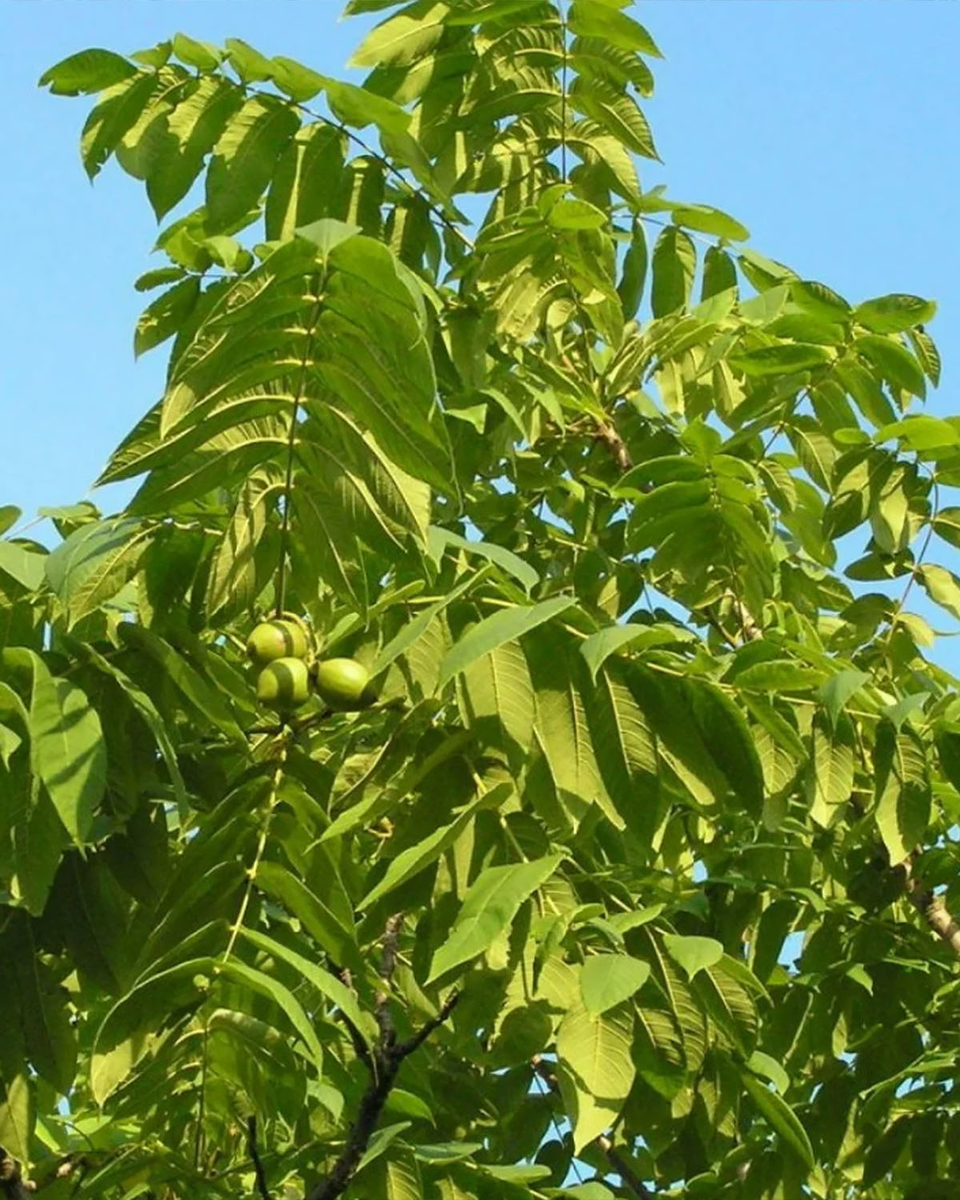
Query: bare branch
[[623, 1169], [616, 445], [617, 1162], [391, 934], [12, 1184], [933, 910], [388, 964], [255, 1155], [360, 1047], [385, 1064], [414, 1043], [371, 1106]]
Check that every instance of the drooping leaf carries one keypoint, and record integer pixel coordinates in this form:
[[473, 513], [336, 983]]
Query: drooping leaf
[[67, 747], [325, 983], [838, 690], [193, 128], [194, 687], [17, 1116], [597, 1051], [510, 562], [85, 72], [505, 626], [318, 919], [941, 585], [93, 564], [51, 1040], [596, 18], [244, 157], [22, 564], [894, 313], [116, 113], [893, 362], [781, 1117], [489, 907], [416, 858], [674, 261]]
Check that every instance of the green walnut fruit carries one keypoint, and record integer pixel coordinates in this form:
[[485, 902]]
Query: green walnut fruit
[[271, 640], [344, 683], [284, 683]]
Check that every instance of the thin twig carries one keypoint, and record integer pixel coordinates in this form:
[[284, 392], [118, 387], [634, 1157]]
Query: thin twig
[[255, 1155], [388, 964], [406, 1048], [622, 1168], [546, 1079]]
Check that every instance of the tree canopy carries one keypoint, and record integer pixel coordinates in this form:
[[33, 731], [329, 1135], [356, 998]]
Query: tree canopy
[[631, 872]]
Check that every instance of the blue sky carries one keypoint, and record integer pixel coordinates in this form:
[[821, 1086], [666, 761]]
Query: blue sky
[[828, 128]]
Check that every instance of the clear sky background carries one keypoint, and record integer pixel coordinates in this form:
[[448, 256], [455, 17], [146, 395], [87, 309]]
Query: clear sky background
[[828, 127]]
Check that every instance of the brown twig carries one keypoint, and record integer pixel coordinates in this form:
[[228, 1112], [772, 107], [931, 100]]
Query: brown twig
[[933, 910], [383, 1063], [406, 1048], [388, 1061], [356, 1037], [388, 958], [388, 964], [608, 434], [12, 1184], [623, 1168], [617, 1162], [750, 631], [255, 1155]]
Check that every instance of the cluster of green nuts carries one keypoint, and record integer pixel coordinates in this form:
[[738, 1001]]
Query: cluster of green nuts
[[288, 673]]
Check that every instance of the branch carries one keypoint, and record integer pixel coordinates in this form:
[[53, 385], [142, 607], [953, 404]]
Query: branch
[[356, 1037], [12, 1184], [383, 1063], [616, 445], [414, 1043], [255, 1155], [388, 964], [374, 1098], [929, 905], [388, 961], [622, 1168], [750, 631]]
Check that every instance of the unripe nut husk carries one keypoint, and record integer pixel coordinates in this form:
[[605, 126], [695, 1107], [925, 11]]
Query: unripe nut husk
[[284, 683], [344, 684], [275, 639]]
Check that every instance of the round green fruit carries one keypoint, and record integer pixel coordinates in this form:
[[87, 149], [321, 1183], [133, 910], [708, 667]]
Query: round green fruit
[[271, 640], [344, 683], [284, 683]]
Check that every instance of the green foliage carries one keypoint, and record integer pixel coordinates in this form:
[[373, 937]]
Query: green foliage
[[657, 782]]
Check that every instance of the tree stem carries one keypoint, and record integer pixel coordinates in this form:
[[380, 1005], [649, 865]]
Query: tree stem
[[384, 1067]]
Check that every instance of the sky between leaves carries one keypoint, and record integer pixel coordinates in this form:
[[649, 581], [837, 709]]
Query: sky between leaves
[[827, 128]]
